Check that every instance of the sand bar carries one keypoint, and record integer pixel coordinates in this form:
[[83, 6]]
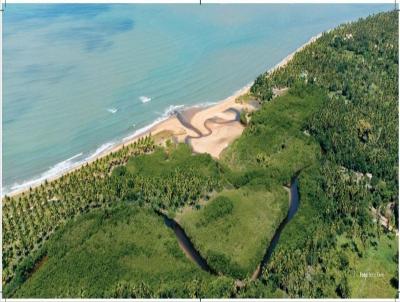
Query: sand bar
[[213, 143]]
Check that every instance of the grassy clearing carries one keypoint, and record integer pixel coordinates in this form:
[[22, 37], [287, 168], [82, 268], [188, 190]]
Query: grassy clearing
[[373, 273], [161, 137], [271, 150], [127, 252], [233, 229], [101, 252]]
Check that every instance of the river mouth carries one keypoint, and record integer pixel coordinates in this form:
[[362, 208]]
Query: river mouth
[[194, 255], [185, 120]]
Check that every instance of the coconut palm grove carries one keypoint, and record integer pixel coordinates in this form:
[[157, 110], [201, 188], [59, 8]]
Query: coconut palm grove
[[304, 204]]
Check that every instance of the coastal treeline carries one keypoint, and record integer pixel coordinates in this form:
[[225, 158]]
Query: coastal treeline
[[335, 130], [30, 218], [127, 175], [357, 65], [168, 178], [129, 244], [353, 189]]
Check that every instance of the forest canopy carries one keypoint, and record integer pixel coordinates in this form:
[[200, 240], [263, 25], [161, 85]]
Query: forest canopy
[[335, 130]]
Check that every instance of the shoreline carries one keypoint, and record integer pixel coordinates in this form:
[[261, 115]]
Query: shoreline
[[166, 123]]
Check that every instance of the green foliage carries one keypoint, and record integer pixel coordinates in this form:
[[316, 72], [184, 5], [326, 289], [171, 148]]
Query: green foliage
[[27, 267], [29, 219], [381, 260], [160, 180], [243, 118], [262, 88], [355, 67], [343, 290], [258, 289], [334, 204], [126, 290], [233, 230], [169, 180], [357, 64], [274, 147], [218, 209], [131, 247], [338, 122], [223, 263]]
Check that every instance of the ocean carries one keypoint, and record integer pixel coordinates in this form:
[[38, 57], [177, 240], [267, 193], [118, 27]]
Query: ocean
[[78, 79]]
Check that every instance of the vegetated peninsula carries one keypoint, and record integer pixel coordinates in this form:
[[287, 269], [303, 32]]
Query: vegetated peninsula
[[303, 203]]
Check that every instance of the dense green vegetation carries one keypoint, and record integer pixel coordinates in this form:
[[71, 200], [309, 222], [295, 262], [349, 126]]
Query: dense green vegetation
[[336, 128], [164, 179], [136, 256], [357, 65], [268, 154], [168, 178], [357, 127], [377, 264], [217, 229], [274, 146], [30, 218], [328, 239]]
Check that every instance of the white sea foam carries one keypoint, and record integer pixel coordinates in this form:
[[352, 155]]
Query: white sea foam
[[171, 110], [57, 169], [100, 150], [70, 163], [204, 105], [143, 130], [112, 110], [168, 112], [145, 99]]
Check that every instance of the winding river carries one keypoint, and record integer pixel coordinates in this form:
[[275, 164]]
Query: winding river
[[189, 249], [293, 207], [185, 243]]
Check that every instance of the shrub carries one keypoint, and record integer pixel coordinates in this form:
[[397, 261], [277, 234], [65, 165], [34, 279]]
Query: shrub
[[218, 208], [243, 118]]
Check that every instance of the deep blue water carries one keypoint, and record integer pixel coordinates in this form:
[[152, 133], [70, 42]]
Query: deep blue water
[[79, 78]]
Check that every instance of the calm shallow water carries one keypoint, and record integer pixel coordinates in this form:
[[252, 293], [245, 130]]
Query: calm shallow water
[[79, 78]]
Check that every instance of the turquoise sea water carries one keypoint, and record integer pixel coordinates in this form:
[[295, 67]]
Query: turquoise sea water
[[79, 78]]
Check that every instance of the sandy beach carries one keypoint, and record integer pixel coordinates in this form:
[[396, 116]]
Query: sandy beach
[[217, 125], [212, 128]]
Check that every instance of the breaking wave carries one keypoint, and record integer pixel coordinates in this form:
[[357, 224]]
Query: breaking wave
[[168, 112], [54, 171], [145, 99], [112, 110]]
